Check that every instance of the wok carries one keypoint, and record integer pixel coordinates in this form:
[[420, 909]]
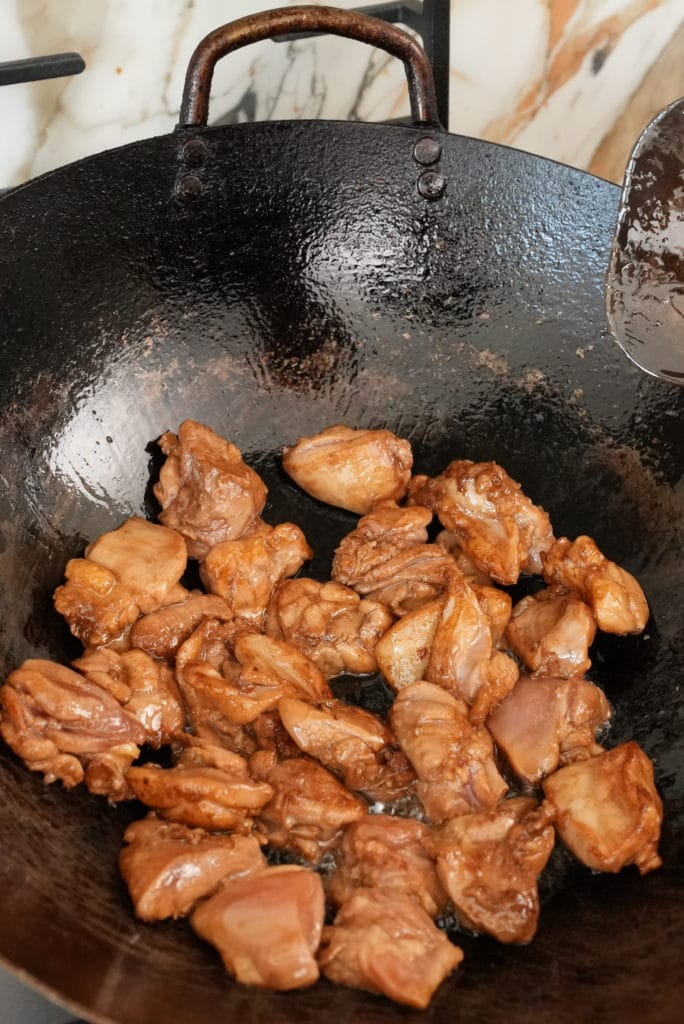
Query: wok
[[270, 279]]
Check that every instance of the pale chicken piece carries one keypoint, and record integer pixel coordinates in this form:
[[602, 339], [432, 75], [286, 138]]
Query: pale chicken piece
[[464, 562], [329, 623], [309, 808], [68, 728], [387, 558], [161, 633], [497, 606], [498, 527], [146, 688], [454, 759], [351, 742], [462, 644], [352, 469], [489, 864], [267, 927], [403, 652], [502, 676], [615, 597], [552, 632], [384, 850], [207, 492], [125, 573], [547, 722], [245, 571], [607, 809], [384, 942], [169, 867]]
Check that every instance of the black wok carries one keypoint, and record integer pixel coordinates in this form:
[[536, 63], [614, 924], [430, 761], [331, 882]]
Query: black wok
[[271, 279]]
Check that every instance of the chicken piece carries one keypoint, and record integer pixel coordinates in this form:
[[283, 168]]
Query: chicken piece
[[384, 942], [146, 688], [207, 493], [270, 734], [615, 597], [497, 526], [245, 571], [329, 623], [453, 759], [267, 926], [497, 605], [502, 675], [403, 652], [387, 558], [489, 864], [383, 850], [552, 632], [607, 809], [209, 788], [462, 644], [169, 867], [68, 728], [351, 742], [352, 469], [547, 722], [161, 633], [125, 573], [309, 808], [463, 561], [213, 643]]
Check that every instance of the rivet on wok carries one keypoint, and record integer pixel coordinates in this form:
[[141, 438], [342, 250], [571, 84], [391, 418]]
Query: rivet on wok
[[188, 187], [431, 185], [194, 153], [427, 151]]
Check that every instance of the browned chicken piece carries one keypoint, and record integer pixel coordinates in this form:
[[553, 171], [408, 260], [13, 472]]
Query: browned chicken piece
[[462, 644], [125, 573], [547, 722], [453, 759], [615, 597], [213, 643], [464, 562], [384, 942], [161, 633], [607, 809], [502, 675], [245, 571], [497, 605], [169, 867], [497, 526], [552, 632], [387, 558], [352, 469], [329, 623], [351, 742], [270, 734], [207, 493], [267, 927], [146, 688], [68, 728], [403, 652], [309, 808], [389, 851], [489, 864], [209, 788]]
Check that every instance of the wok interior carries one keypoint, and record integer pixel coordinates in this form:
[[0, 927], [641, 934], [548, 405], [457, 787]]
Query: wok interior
[[269, 310]]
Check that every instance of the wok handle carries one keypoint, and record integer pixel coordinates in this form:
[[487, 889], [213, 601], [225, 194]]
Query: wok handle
[[285, 20]]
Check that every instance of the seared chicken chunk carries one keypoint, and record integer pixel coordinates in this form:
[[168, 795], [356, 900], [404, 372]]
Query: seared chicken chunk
[[547, 722], [69, 728], [614, 596], [497, 606], [607, 809], [161, 633], [169, 867], [453, 759], [352, 469], [267, 927], [389, 851], [329, 623], [384, 942], [403, 652], [125, 573], [497, 526], [552, 632], [502, 675], [463, 561], [462, 644], [207, 493]]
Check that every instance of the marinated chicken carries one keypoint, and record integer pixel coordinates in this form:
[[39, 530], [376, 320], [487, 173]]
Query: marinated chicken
[[403, 652], [124, 574], [497, 606], [161, 633], [207, 493], [607, 809], [462, 644], [383, 850], [267, 927], [169, 867], [329, 623], [69, 728], [384, 942], [489, 864], [502, 675], [453, 759], [245, 571], [615, 597], [552, 632], [547, 722], [463, 561], [497, 526]]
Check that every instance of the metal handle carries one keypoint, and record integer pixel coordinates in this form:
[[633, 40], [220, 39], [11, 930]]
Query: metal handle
[[285, 20], [37, 69]]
